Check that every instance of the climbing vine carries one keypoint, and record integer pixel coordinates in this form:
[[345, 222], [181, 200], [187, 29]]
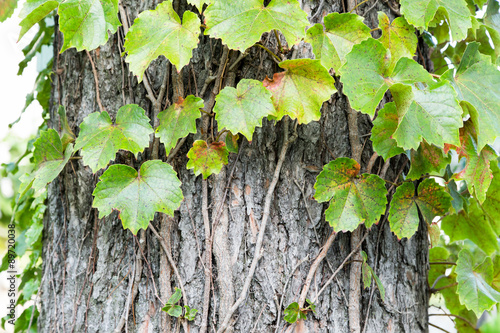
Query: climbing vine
[[454, 111]]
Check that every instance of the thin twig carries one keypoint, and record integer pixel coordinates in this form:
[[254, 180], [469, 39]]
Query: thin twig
[[442, 263], [455, 316], [96, 80], [273, 56], [208, 257], [260, 238], [359, 4], [439, 328]]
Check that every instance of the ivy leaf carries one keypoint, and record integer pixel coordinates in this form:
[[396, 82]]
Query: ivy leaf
[[398, 37], [34, 11], [288, 89], [240, 24], [85, 23], [160, 32], [474, 288], [137, 196], [7, 8], [178, 120], [474, 225], [477, 171], [421, 12], [432, 200], [241, 109], [478, 85], [431, 113], [198, 4], [383, 128], [294, 313], [207, 159], [50, 159], [367, 74], [353, 199], [176, 296], [100, 139], [190, 313], [333, 41], [427, 159]]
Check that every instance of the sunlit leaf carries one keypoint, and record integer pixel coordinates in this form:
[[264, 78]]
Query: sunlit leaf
[[207, 159], [240, 24], [178, 120], [160, 32], [198, 3], [85, 23], [100, 139], [354, 198], [333, 41], [34, 11], [137, 196], [432, 200], [288, 89], [241, 109]]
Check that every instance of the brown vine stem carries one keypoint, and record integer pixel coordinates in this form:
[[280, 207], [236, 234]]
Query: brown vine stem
[[258, 246], [439, 328], [314, 267], [208, 256], [359, 4], [274, 56], [445, 287], [96, 80]]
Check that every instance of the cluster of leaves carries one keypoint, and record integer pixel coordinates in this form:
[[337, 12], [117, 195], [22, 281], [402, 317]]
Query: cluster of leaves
[[174, 310], [294, 312], [431, 117]]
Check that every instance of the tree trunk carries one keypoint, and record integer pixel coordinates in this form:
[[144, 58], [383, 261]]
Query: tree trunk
[[99, 277]]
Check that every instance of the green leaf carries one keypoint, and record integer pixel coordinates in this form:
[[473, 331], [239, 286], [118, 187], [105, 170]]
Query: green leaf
[[242, 109], [232, 142], [207, 159], [421, 12], [366, 273], [474, 225], [333, 41], [85, 23], [240, 24], [474, 288], [491, 206], [67, 135], [160, 32], [198, 4], [432, 200], [175, 311], [137, 196], [492, 15], [380, 287], [479, 85], [301, 89], [310, 305], [7, 7], [398, 37], [100, 139], [190, 313], [178, 120], [428, 159], [492, 324], [353, 199], [34, 11], [176, 296], [477, 171], [383, 128], [432, 114], [49, 158], [292, 313], [367, 74]]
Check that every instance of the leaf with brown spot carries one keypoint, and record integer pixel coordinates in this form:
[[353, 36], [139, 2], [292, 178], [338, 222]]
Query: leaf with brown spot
[[428, 159], [207, 159]]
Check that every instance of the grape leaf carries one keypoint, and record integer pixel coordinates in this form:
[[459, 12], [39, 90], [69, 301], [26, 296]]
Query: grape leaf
[[492, 15], [478, 85], [207, 159], [421, 12], [477, 171], [293, 313], [383, 128], [335, 40], [301, 89], [199, 3], [137, 196], [398, 37], [7, 8], [353, 199], [34, 11], [49, 158], [242, 109], [432, 200], [474, 225], [432, 114], [240, 24], [85, 23], [427, 159], [474, 290], [178, 120], [367, 75], [160, 32], [100, 139], [232, 142]]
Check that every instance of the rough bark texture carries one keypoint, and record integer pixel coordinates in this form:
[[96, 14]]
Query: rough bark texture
[[90, 274]]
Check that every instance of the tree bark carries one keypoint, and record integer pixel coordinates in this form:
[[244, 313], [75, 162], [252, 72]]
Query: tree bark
[[97, 268]]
